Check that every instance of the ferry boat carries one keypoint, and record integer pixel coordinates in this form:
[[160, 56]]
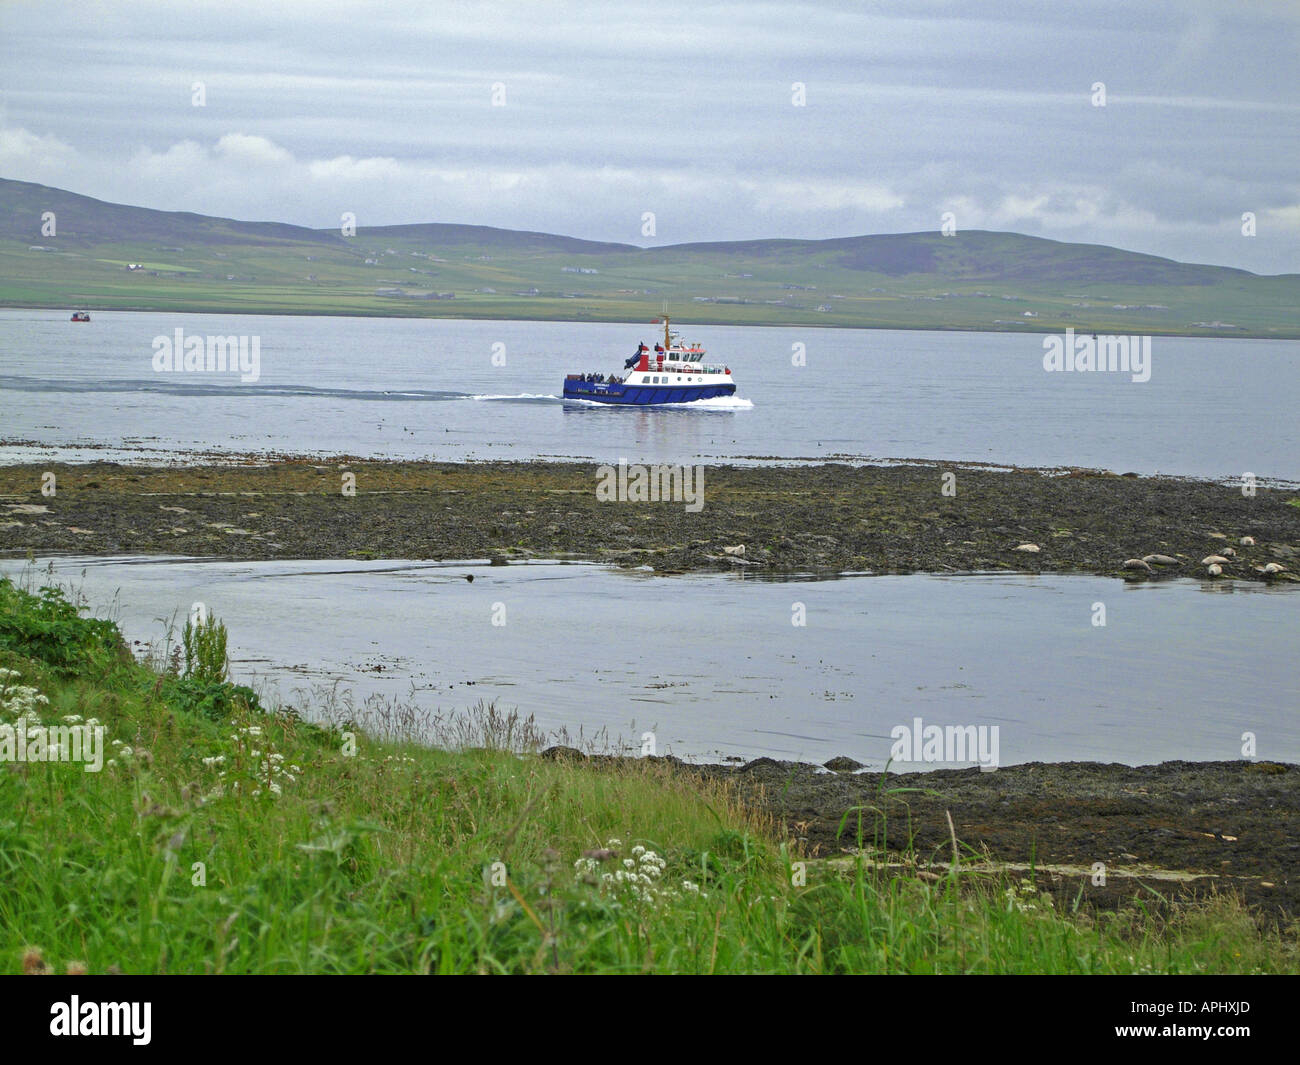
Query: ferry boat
[[674, 372]]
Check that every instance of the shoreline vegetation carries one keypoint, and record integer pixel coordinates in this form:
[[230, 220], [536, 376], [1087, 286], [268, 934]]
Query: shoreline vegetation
[[827, 519], [222, 836]]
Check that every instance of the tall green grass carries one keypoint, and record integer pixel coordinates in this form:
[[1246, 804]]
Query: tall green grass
[[225, 838]]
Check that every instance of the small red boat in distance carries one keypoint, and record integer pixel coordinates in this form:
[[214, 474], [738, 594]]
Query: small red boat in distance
[[81, 316]]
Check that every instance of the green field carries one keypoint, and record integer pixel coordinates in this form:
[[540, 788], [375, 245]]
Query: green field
[[164, 267], [973, 280]]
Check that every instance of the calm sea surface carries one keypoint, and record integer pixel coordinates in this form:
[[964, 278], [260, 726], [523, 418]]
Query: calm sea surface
[[714, 666], [433, 389]]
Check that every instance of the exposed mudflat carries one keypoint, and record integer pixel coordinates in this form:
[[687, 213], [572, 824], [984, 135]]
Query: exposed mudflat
[[831, 518], [1169, 831], [1163, 833]]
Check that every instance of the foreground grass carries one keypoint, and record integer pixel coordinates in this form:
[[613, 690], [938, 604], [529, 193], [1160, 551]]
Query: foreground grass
[[222, 838]]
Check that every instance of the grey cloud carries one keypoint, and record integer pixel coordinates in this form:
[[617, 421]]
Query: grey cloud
[[683, 109]]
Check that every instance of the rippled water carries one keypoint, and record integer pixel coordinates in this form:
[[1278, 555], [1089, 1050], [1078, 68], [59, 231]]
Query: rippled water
[[714, 666], [435, 389]]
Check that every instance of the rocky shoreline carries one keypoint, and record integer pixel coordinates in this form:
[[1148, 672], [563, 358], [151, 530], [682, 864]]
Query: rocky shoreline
[[835, 518], [1160, 834]]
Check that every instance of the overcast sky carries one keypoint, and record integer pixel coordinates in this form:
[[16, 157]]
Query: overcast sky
[[981, 107]]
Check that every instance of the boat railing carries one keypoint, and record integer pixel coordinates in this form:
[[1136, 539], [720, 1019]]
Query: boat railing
[[668, 367]]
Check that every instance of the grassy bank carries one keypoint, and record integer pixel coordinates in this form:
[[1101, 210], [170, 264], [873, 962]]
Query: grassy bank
[[222, 837]]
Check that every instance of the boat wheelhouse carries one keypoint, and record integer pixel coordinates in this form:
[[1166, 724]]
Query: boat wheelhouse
[[673, 372]]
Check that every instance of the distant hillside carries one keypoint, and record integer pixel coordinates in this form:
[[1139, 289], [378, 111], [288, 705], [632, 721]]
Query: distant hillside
[[113, 256], [444, 234], [980, 255], [85, 221]]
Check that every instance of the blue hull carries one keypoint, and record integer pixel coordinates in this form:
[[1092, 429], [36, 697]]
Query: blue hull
[[644, 395]]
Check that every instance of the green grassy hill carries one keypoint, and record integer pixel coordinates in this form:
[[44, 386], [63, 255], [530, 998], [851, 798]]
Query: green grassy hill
[[972, 280]]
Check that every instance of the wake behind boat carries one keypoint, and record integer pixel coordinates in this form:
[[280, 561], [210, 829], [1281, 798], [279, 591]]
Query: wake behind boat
[[675, 372]]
